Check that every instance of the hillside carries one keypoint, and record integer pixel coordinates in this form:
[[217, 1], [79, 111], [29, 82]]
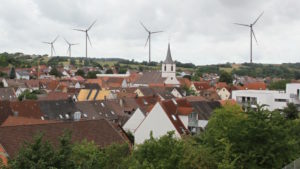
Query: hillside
[[285, 70]]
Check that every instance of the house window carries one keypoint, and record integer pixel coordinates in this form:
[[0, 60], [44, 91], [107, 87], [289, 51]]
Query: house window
[[280, 100], [171, 68], [165, 68]]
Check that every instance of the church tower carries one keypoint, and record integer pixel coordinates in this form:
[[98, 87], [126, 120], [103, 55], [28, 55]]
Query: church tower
[[168, 69]]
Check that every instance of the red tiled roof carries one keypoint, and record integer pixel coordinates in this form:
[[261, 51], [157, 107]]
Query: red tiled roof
[[221, 85], [201, 85], [3, 155], [255, 86]]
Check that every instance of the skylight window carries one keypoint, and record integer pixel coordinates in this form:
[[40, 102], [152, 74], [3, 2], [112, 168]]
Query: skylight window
[[112, 112], [84, 115], [102, 104], [67, 116], [174, 117], [60, 116]]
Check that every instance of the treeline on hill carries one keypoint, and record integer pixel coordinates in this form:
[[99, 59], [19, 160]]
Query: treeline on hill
[[18, 60], [285, 71], [233, 139]]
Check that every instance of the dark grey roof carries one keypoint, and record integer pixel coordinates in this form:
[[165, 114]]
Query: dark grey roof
[[169, 59], [150, 77], [92, 86], [204, 109], [58, 109], [99, 109]]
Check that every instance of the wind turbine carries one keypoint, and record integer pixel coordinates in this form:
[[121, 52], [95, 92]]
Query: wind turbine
[[149, 39], [87, 37], [252, 34], [69, 48], [52, 46]]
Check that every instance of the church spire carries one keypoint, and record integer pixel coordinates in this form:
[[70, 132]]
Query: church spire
[[169, 59]]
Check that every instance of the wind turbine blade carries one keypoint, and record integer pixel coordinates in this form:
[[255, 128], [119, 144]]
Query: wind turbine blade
[[92, 25], [240, 24], [254, 37], [47, 42], [74, 44], [147, 40], [88, 37], [144, 27], [258, 18], [67, 41], [81, 30], [55, 39], [157, 32]]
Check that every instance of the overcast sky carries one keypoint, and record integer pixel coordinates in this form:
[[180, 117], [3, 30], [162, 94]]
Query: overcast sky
[[200, 31]]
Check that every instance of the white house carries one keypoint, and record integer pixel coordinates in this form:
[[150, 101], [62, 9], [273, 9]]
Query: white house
[[223, 93], [160, 120], [24, 75], [273, 99], [133, 122]]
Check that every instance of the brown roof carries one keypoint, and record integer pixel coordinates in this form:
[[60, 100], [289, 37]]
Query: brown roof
[[15, 121], [171, 110], [5, 110], [100, 131], [26, 108], [184, 82], [57, 96], [7, 94], [32, 83], [146, 103]]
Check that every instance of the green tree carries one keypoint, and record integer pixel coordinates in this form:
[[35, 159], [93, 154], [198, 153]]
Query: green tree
[[109, 71], [28, 95], [253, 139], [226, 77], [12, 73], [55, 72], [92, 74], [39, 154], [279, 85], [80, 72], [291, 112]]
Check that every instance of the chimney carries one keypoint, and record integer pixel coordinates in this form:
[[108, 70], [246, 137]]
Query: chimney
[[121, 102]]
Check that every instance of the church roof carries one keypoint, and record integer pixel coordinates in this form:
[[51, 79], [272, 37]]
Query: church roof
[[169, 59]]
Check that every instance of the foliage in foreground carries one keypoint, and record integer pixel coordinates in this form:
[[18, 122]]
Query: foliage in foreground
[[233, 139]]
